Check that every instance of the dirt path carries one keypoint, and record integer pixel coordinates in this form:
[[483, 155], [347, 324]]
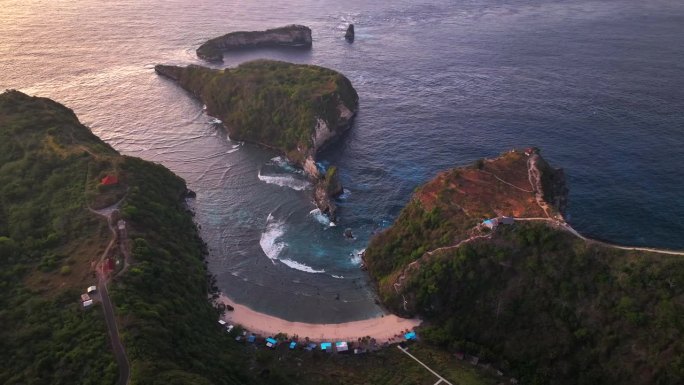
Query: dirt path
[[568, 228]]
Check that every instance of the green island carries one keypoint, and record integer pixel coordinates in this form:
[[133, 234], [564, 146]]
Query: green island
[[294, 109], [483, 255], [52, 170]]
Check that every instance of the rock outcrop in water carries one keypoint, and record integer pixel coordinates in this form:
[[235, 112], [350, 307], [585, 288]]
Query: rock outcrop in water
[[298, 36], [292, 108], [349, 35]]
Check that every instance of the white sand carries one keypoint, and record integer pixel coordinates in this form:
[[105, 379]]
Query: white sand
[[386, 328]]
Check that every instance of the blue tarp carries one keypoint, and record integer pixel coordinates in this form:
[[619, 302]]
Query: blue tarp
[[326, 345], [410, 335], [271, 340], [293, 345], [251, 338], [311, 346]]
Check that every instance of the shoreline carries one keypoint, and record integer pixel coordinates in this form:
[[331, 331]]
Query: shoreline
[[387, 328]]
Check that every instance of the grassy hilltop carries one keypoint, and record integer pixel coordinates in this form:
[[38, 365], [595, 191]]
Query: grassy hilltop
[[532, 299]]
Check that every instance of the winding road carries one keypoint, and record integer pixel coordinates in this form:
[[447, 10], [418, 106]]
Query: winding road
[[108, 308]]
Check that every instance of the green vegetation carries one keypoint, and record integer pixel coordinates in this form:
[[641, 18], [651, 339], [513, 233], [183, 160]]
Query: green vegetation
[[47, 239], [51, 166], [540, 304], [275, 104]]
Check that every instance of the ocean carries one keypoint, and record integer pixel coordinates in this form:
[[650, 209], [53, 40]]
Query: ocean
[[597, 85]]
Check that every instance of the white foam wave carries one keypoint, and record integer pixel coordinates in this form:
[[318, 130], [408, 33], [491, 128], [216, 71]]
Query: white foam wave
[[215, 121], [356, 257], [321, 218], [269, 238], [337, 276], [284, 164], [285, 181], [345, 194], [232, 150], [300, 266]]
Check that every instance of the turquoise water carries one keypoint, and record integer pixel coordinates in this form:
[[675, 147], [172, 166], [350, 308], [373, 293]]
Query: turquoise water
[[598, 85]]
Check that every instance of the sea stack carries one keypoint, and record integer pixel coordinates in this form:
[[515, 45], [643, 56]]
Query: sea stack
[[297, 36], [349, 35]]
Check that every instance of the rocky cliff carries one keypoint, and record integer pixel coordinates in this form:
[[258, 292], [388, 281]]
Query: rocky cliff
[[295, 109], [289, 36]]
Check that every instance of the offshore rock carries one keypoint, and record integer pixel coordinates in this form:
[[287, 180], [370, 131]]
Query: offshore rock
[[349, 35], [298, 36]]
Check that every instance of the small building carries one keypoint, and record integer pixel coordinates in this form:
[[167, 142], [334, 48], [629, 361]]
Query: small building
[[271, 343], [507, 220], [110, 180], [84, 297], [410, 336], [341, 346], [293, 345], [230, 328], [222, 322], [121, 225], [88, 303], [91, 289], [326, 346]]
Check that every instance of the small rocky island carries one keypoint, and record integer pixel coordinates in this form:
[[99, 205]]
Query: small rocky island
[[291, 108], [298, 36]]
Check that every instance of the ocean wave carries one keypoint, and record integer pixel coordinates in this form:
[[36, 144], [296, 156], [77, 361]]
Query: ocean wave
[[232, 150], [345, 194], [337, 276], [285, 181], [321, 218], [284, 164], [269, 238], [300, 266], [215, 121], [356, 256]]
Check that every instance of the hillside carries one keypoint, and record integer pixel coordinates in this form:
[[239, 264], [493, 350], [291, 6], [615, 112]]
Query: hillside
[[51, 168], [531, 298], [294, 109]]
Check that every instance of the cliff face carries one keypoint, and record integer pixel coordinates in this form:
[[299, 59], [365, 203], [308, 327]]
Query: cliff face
[[294, 109], [288, 36]]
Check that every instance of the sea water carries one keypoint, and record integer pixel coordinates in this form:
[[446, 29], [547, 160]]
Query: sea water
[[597, 85]]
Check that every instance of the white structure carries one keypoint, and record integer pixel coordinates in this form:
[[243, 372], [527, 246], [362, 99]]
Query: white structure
[[222, 322], [88, 303], [91, 289], [341, 346]]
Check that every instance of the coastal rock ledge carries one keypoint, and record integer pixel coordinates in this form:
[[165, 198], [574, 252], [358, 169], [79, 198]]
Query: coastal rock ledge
[[294, 109], [298, 36]]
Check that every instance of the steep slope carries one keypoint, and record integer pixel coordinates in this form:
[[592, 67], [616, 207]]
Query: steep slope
[[51, 168], [530, 297]]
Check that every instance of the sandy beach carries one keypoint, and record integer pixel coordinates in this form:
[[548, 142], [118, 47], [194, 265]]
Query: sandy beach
[[385, 328]]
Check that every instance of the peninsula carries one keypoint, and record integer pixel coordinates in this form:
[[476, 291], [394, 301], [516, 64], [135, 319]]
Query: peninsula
[[483, 254], [294, 109], [297, 36]]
